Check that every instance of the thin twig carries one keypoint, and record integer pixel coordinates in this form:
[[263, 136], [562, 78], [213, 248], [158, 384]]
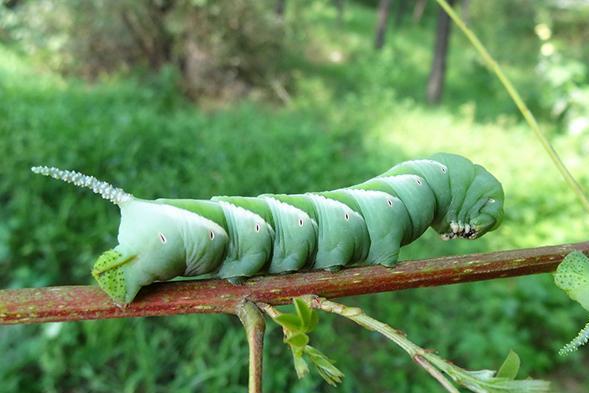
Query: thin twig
[[519, 102], [268, 309], [433, 364], [434, 372], [253, 322], [357, 315]]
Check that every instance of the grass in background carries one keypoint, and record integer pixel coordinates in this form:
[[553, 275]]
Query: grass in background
[[354, 113]]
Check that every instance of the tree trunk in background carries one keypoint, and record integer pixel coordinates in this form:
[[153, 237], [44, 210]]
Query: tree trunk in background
[[435, 84], [11, 3], [279, 8], [147, 27], [163, 41], [418, 10], [401, 8], [384, 8], [339, 6]]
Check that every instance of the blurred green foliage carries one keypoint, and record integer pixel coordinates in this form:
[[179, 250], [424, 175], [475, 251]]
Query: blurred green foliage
[[351, 114]]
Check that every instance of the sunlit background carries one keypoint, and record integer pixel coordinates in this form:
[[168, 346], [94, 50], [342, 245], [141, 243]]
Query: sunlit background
[[194, 98]]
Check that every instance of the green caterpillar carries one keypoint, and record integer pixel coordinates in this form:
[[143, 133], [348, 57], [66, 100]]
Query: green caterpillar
[[572, 276], [235, 237]]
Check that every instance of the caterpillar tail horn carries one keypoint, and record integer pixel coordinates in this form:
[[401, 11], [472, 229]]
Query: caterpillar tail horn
[[104, 189]]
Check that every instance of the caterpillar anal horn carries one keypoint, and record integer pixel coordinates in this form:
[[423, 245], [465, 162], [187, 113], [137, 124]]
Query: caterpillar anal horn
[[102, 188]]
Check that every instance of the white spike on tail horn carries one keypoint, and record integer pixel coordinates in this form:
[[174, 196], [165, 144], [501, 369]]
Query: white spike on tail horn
[[107, 191], [577, 342]]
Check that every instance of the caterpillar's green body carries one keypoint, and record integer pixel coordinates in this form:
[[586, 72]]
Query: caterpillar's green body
[[572, 276], [236, 237]]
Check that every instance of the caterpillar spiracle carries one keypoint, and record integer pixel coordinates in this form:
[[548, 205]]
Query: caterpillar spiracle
[[235, 237]]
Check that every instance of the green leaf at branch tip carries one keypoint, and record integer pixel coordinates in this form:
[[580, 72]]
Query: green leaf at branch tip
[[331, 374], [296, 326], [510, 366], [483, 382], [300, 364], [487, 381], [309, 317], [572, 276], [523, 386], [290, 322], [297, 340]]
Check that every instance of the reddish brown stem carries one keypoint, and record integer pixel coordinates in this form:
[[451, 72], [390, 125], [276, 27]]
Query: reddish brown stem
[[73, 303]]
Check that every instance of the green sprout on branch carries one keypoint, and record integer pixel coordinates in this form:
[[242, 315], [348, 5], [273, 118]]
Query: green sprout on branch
[[297, 325]]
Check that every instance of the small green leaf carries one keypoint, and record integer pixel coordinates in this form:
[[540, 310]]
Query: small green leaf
[[331, 374], [297, 340], [305, 313], [300, 365], [482, 381], [510, 366], [289, 322]]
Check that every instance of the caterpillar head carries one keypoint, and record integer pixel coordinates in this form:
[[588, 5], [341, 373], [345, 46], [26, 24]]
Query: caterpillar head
[[483, 206], [156, 241], [476, 206]]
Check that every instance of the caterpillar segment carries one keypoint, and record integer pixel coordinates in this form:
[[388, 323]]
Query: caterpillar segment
[[234, 237]]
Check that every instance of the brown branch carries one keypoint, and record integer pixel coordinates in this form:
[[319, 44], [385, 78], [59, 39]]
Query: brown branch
[[73, 303]]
